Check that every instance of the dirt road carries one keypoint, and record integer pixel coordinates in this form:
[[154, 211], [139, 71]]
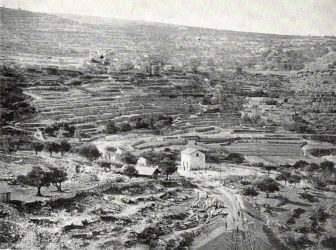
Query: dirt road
[[226, 196]]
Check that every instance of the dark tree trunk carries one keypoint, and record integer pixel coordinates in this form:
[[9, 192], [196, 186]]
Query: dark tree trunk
[[167, 177], [39, 191], [35, 152], [267, 194], [50, 151], [58, 186]]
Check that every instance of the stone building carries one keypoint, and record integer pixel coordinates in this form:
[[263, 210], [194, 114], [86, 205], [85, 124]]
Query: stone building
[[191, 159]]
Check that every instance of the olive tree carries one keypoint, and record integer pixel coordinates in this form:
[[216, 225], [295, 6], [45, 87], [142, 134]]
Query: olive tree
[[283, 176], [129, 170], [327, 166], [89, 151], [36, 146], [65, 146], [37, 177], [51, 146], [266, 184], [128, 158], [57, 176], [168, 164], [294, 178]]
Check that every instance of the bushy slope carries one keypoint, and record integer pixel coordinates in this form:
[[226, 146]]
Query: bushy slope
[[43, 34]]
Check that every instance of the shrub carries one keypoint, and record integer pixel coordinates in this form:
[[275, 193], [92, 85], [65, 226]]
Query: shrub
[[314, 167], [64, 146], [89, 151], [250, 191], [128, 158], [297, 212], [271, 102], [266, 184], [211, 158], [111, 149], [104, 164], [129, 170], [124, 127], [295, 178], [235, 157], [51, 146], [283, 176], [327, 166], [308, 197], [111, 128], [37, 146], [66, 129], [244, 182], [318, 182], [300, 242], [119, 179], [291, 220], [300, 164]]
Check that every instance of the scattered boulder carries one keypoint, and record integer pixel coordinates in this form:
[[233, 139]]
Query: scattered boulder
[[75, 224], [83, 235], [108, 217], [43, 220]]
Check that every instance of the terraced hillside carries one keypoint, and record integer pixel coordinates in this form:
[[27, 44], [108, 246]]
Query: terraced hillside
[[110, 96], [190, 81]]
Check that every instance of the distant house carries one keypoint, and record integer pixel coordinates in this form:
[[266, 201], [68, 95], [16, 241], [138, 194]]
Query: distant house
[[147, 171], [192, 158], [5, 193]]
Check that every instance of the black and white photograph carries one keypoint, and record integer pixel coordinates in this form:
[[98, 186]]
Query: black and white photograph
[[168, 124]]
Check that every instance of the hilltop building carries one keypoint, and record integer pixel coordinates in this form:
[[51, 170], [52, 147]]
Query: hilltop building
[[192, 158]]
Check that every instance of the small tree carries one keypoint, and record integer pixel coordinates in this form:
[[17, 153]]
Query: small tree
[[57, 176], [168, 165], [314, 167], [51, 146], [37, 177], [168, 169], [110, 150], [36, 146], [152, 157], [129, 170], [104, 164], [295, 178], [250, 191], [300, 164], [283, 176], [266, 184], [327, 166], [269, 168], [89, 151], [64, 146], [128, 158], [318, 182], [111, 128], [124, 127]]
